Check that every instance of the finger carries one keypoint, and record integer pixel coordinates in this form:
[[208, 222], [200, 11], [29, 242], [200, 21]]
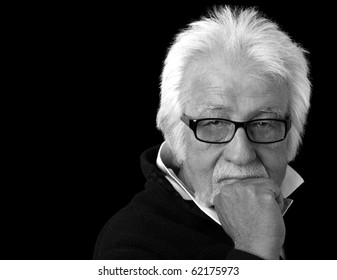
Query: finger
[[272, 187], [278, 195], [217, 200]]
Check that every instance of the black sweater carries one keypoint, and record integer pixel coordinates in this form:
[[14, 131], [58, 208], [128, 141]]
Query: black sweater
[[159, 224]]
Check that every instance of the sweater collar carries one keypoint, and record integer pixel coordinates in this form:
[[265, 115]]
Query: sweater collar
[[291, 182]]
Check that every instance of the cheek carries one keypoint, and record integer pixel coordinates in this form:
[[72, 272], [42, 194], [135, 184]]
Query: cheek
[[203, 155], [274, 158], [200, 161], [200, 155]]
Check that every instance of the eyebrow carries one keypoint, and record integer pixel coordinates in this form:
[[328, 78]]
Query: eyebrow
[[272, 109], [217, 107], [214, 107]]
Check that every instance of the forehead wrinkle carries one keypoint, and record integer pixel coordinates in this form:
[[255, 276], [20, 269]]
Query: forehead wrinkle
[[233, 98], [225, 92], [228, 110]]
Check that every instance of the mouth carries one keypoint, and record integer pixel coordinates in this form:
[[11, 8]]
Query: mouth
[[230, 180]]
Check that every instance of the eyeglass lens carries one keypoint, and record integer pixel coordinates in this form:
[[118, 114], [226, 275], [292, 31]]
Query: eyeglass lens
[[223, 131]]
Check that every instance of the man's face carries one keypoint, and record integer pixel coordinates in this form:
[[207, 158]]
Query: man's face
[[216, 92]]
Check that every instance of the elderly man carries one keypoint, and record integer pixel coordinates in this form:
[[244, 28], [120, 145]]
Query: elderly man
[[234, 99]]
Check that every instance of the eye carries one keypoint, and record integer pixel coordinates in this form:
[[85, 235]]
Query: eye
[[267, 126], [211, 123], [262, 124], [215, 122]]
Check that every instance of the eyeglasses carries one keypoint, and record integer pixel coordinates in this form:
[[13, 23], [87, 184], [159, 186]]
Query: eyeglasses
[[218, 131]]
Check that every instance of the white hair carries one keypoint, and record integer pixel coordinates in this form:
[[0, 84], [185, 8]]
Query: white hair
[[237, 36]]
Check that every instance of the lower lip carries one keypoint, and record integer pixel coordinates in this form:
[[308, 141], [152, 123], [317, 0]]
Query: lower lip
[[229, 181], [234, 180]]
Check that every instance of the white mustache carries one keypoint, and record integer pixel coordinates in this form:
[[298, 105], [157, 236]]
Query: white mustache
[[232, 171], [229, 171]]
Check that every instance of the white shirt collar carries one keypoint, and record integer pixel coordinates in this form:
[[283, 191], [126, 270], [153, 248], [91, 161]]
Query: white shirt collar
[[291, 182]]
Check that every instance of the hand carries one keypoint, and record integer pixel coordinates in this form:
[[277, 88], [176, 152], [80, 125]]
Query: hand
[[250, 212]]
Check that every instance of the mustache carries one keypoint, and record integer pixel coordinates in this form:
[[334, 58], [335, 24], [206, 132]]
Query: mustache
[[231, 171], [228, 171]]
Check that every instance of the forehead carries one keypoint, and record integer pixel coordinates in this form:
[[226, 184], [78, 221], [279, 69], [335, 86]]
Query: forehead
[[215, 88]]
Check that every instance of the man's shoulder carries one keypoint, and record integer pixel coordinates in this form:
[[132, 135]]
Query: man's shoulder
[[140, 229], [157, 225]]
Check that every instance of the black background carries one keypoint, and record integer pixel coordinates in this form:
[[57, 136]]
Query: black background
[[82, 102]]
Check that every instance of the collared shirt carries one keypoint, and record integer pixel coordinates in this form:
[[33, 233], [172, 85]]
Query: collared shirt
[[291, 182]]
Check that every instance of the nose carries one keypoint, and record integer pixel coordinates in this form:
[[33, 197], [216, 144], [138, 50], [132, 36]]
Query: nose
[[240, 150]]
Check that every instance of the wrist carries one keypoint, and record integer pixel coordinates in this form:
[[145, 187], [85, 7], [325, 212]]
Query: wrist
[[263, 249]]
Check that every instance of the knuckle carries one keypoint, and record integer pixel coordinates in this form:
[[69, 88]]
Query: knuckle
[[268, 196]]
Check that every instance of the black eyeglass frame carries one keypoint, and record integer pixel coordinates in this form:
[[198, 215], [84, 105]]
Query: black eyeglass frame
[[193, 124]]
